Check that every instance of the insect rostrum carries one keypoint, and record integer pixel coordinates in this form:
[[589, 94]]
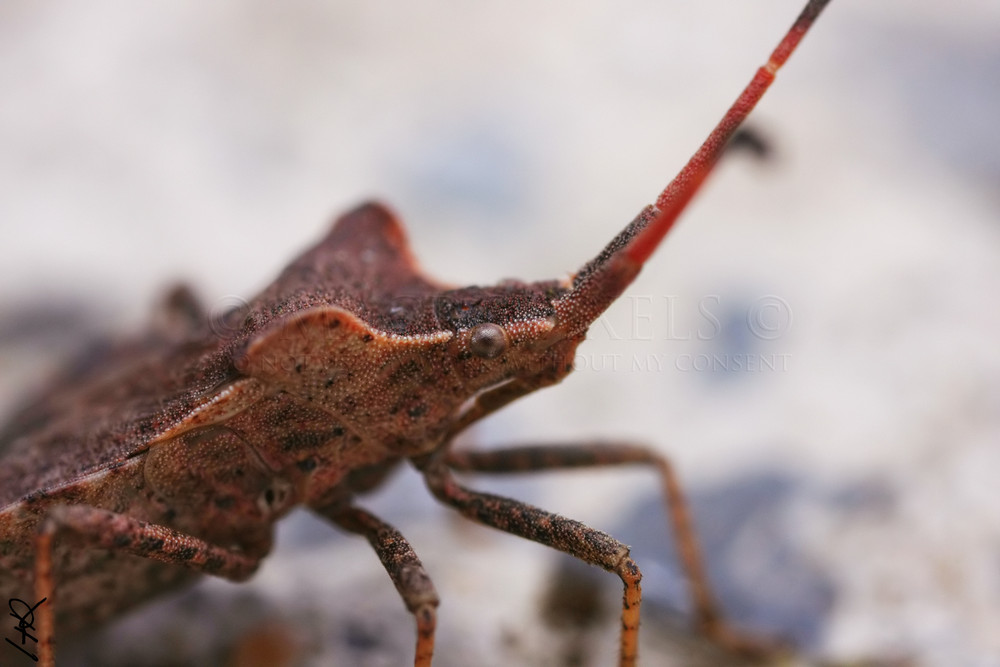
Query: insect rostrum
[[175, 453]]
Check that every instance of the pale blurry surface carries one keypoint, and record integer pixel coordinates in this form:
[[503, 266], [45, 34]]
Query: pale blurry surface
[[821, 327]]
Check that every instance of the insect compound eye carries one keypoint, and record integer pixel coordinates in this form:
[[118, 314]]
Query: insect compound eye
[[488, 341]]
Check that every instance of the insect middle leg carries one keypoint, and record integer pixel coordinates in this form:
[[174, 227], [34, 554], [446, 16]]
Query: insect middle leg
[[707, 616], [569, 536], [404, 568], [101, 529]]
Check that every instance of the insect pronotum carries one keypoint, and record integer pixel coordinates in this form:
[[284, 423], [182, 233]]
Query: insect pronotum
[[176, 454]]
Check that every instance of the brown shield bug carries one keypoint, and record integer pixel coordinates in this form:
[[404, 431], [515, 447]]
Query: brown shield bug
[[174, 454]]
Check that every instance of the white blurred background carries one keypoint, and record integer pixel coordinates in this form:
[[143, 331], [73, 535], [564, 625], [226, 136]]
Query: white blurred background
[[820, 331]]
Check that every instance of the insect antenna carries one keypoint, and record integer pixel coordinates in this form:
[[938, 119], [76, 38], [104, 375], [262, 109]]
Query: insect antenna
[[603, 280], [675, 197]]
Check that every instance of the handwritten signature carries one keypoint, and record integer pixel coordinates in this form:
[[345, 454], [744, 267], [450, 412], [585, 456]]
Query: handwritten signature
[[25, 622]]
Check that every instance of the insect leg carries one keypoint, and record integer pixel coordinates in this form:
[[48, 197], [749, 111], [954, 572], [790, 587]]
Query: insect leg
[[569, 536], [102, 529], [707, 617], [404, 568]]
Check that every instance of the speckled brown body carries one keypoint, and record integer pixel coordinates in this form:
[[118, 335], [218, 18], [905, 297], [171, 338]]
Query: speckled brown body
[[350, 361], [174, 454]]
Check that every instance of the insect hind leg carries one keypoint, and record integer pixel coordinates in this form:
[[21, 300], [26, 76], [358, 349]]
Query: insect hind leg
[[101, 529], [536, 458]]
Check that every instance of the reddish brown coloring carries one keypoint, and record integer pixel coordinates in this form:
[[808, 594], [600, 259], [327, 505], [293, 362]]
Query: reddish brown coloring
[[175, 453]]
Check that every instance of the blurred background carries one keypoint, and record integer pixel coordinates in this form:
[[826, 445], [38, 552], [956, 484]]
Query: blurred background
[[815, 346]]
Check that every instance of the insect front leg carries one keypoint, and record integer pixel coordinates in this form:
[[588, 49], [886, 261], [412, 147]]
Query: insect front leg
[[537, 458], [404, 568], [100, 529], [569, 536]]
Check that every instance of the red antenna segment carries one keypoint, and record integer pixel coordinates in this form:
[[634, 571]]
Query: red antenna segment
[[679, 192]]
